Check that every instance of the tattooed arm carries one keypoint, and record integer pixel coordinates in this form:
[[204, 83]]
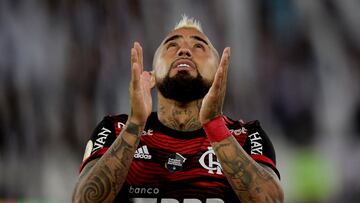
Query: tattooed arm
[[251, 181], [102, 179]]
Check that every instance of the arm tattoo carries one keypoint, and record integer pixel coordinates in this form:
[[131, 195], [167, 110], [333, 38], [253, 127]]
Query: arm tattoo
[[98, 187], [250, 181], [215, 110], [133, 128], [105, 179]]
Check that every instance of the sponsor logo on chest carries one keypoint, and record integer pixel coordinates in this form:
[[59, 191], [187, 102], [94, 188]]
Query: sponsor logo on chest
[[175, 162], [142, 153], [144, 190], [209, 161]]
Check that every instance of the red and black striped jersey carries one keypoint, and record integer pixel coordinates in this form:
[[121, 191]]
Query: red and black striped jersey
[[173, 166]]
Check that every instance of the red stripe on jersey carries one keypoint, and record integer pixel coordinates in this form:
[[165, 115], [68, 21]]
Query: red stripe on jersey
[[264, 159], [195, 173], [228, 120], [117, 128], [141, 171], [164, 142], [241, 138], [162, 175], [97, 153]]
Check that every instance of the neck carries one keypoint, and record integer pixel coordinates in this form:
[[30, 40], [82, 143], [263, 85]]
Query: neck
[[179, 116]]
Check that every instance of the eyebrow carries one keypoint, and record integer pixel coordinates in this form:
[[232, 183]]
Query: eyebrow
[[172, 38], [199, 39], [180, 36]]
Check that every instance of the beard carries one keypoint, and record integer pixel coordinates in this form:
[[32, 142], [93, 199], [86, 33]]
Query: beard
[[183, 87]]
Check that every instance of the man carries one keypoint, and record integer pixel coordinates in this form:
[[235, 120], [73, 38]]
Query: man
[[187, 151]]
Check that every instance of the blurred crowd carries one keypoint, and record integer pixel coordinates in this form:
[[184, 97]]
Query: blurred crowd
[[295, 66]]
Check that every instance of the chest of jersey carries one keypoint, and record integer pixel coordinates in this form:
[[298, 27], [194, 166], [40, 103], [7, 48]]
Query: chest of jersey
[[172, 168]]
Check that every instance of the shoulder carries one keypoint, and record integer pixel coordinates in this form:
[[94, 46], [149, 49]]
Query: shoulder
[[113, 122], [245, 131], [254, 141], [241, 126], [103, 136], [115, 118]]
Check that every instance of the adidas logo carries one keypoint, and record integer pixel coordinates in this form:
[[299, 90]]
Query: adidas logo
[[142, 153]]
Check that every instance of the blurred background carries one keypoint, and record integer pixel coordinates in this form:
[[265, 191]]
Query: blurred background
[[295, 66]]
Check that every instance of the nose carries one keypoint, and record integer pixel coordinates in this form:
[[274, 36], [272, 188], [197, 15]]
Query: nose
[[184, 52]]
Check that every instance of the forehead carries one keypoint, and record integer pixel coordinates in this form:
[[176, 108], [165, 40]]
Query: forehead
[[186, 33]]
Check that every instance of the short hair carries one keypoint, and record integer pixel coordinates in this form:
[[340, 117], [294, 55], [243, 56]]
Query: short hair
[[187, 22]]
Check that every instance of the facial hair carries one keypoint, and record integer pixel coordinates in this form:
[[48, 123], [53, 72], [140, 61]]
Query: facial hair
[[183, 87]]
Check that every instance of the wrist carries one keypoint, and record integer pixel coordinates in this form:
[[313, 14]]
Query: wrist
[[140, 123], [216, 129]]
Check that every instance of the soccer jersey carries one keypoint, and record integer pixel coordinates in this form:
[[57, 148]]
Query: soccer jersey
[[171, 166]]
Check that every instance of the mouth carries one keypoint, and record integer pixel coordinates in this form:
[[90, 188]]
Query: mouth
[[183, 64]]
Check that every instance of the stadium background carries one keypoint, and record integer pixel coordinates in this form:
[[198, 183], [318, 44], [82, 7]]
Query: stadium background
[[294, 66]]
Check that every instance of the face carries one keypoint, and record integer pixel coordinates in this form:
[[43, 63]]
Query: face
[[186, 56], [186, 46]]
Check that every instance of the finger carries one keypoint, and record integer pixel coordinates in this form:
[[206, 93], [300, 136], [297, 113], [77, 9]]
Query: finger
[[135, 73], [227, 53], [135, 76], [217, 80], [140, 54], [146, 82], [224, 63], [145, 76], [220, 73], [134, 56]]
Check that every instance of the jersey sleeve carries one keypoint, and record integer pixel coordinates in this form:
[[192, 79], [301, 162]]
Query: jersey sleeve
[[259, 147], [102, 137]]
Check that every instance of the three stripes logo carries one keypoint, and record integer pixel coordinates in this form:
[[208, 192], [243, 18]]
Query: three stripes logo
[[142, 153]]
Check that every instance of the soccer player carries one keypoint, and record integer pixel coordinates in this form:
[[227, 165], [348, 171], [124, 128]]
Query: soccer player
[[187, 151]]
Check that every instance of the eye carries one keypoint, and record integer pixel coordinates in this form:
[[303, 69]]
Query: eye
[[171, 44], [198, 45]]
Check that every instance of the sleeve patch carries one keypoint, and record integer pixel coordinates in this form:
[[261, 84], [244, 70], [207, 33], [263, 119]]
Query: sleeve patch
[[256, 146], [101, 139]]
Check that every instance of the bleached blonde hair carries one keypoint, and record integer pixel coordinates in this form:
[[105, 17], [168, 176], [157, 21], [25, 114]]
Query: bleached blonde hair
[[187, 22]]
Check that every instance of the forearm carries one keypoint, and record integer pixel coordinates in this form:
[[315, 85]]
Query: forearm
[[105, 179], [250, 181]]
